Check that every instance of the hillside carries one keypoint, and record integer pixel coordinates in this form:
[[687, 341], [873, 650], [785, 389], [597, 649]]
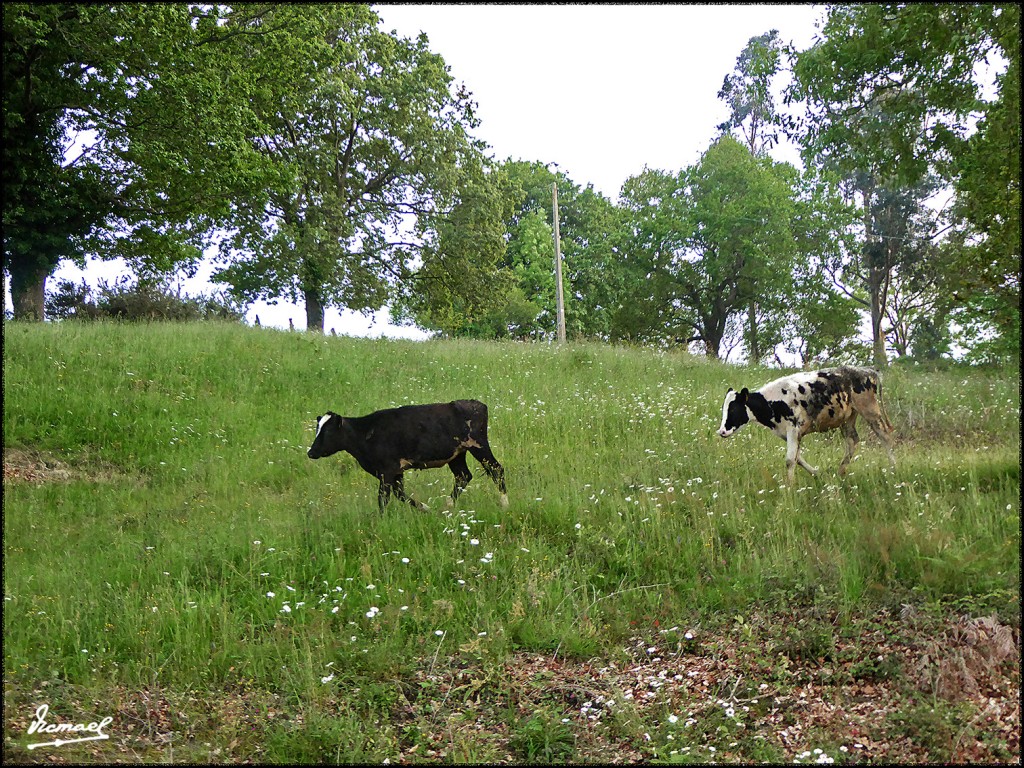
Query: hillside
[[173, 559]]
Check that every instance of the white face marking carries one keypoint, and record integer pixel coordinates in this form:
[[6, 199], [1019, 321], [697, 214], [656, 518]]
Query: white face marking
[[320, 425], [729, 397]]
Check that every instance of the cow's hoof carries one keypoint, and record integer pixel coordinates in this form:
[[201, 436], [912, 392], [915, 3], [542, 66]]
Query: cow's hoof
[[504, 500]]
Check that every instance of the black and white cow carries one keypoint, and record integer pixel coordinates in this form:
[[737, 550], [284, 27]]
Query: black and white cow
[[388, 442], [812, 401]]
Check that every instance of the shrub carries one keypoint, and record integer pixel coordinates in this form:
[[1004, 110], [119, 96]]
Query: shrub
[[141, 300]]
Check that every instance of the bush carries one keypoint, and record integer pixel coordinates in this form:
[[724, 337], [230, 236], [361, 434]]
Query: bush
[[141, 300]]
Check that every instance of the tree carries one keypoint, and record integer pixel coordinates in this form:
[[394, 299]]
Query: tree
[[747, 93], [462, 288], [707, 241], [752, 113], [590, 230], [373, 143], [912, 71], [102, 109]]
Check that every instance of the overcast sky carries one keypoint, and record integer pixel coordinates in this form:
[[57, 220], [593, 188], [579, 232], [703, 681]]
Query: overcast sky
[[601, 90]]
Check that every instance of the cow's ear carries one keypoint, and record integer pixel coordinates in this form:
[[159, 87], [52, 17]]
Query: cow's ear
[[743, 394]]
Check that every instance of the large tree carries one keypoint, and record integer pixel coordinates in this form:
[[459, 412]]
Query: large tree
[[124, 129], [911, 73], [706, 242], [374, 145]]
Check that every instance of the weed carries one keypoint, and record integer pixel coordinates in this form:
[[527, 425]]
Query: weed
[[543, 738]]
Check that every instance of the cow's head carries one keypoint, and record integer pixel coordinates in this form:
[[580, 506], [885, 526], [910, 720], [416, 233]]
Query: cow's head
[[734, 412], [329, 436]]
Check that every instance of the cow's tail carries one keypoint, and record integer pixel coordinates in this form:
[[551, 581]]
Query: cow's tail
[[886, 424]]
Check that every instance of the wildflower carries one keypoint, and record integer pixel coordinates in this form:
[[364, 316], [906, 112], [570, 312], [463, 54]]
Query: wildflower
[[673, 719], [327, 679]]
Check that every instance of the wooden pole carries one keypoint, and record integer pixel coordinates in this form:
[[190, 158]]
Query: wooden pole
[[559, 301]]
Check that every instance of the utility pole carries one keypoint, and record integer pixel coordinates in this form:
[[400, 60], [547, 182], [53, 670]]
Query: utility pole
[[559, 302]]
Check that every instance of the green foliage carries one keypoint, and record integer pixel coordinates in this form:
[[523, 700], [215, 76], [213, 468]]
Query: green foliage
[[461, 288], [367, 129], [137, 85], [709, 241], [894, 91]]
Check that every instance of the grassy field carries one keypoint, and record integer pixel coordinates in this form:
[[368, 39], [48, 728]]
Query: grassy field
[[173, 559]]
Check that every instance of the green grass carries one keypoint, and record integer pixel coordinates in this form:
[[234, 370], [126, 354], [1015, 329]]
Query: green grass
[[194, 547]]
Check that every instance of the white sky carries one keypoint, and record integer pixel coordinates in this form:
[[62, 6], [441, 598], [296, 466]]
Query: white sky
[[601, 90]]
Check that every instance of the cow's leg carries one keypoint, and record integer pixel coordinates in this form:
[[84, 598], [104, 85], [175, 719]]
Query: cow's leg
[[398, 487], [384, 492], [462, 476], [393, 483], [793, 456], [494, 470], [874, 421], [849, 429]]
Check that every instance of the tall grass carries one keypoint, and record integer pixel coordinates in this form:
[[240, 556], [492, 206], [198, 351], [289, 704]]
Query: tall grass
[[196, 546]]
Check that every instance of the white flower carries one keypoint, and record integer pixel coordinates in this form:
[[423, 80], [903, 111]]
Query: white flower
[[673, 718], [271, 594], [327, 679]]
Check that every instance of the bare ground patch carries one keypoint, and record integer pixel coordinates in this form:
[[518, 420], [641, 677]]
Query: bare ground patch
[[26, 465]]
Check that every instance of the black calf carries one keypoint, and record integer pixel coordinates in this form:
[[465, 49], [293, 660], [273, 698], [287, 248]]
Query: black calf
[[388, 442]]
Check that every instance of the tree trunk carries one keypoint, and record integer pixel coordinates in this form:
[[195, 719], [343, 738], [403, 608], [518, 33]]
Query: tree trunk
[[28, 292], [875, 280], [878, 356], [755, 348], [314, 310]]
